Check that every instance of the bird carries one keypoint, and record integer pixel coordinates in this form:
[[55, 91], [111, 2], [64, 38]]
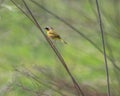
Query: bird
[[53, 35]]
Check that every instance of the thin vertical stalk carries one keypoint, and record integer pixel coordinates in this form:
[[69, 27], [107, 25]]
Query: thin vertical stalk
[[104, 48]]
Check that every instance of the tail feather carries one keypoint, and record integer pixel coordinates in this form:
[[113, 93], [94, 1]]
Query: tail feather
[[64, 41]]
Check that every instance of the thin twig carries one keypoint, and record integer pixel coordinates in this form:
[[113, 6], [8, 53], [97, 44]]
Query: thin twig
[[22, 10], [104, 48]]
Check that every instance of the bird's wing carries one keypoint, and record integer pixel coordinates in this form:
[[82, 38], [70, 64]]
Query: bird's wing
[[54, 35], [52, 32]]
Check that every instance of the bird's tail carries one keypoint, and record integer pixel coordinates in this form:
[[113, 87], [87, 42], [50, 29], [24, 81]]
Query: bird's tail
[[64, 41]]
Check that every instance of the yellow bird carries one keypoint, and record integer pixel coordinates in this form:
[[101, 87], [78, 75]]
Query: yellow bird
[[52, 34]]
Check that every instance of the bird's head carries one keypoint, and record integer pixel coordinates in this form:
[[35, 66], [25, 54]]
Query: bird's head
[[48, 28]]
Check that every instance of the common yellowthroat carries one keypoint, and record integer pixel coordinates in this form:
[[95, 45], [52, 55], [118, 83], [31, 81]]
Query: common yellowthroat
[[53, 35]]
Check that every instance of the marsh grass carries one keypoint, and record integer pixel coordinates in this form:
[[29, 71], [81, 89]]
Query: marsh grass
[[43, 81]]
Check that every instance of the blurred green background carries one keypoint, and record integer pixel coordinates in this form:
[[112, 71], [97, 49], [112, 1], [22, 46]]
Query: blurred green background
[[25, 54]]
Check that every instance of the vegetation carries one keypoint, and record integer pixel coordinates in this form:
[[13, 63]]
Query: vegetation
[[29, 62]]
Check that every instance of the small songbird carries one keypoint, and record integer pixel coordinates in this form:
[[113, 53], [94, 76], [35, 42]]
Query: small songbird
[[52, 34]]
